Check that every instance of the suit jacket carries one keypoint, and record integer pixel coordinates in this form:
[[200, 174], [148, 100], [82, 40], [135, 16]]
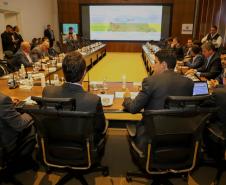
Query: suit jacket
[[213, 69], [12, 123], [18, 39], [85, 101], [37, 53], [156, 88], [48, 35], [7, 42], [20, 58], [196, 63]]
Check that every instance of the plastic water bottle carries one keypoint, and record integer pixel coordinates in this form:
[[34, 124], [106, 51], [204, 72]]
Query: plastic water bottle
[[123, 82], [30, 80], [43, 81], [22, 72]]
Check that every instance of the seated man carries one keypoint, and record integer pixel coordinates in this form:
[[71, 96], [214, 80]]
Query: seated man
[[22, 56], [156, 88], [74, 69], [15, 128], [212, 67], [197, 59], [187, 49], [177, 48], [40, 51]]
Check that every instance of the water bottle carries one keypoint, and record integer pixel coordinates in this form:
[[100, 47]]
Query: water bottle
[[123, 82], [30, 80], [43, 81], [56, 79], [22, 72]]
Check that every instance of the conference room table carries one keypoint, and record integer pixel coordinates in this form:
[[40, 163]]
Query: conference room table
[[112, 112]]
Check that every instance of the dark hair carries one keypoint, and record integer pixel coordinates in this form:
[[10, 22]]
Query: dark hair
[[9, 26], [208, 46], [167, 56], [195, 49], [197, 42], [74, 67], [14, 28], [214, 26]]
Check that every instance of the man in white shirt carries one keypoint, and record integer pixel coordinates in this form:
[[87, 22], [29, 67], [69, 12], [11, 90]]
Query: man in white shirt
[[213, 37]]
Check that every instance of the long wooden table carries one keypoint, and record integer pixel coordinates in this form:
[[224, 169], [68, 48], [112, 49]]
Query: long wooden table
[[114, 111]]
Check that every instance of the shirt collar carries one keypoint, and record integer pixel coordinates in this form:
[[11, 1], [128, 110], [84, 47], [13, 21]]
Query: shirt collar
[[75, 83]]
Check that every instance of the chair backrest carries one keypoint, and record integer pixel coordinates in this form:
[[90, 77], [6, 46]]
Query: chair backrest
[[174, 137], [66, 137], [187, 101], [56, 103]]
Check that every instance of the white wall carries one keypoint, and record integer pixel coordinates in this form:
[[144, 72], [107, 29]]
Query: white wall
[[33, 16]]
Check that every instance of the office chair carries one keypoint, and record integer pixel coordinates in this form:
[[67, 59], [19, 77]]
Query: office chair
[[173, 142], [215, 137], [67, 142], [15, 157]]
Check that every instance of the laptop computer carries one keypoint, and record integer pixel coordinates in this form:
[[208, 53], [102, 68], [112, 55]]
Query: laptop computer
[[200, 88]]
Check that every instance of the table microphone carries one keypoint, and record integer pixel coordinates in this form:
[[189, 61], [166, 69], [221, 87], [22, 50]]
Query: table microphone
[[49, 73], [88, 82]]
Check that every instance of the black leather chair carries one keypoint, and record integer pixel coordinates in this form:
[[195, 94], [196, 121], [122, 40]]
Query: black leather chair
[[173, 142], [215, 136], [15, 157], [67, 142]]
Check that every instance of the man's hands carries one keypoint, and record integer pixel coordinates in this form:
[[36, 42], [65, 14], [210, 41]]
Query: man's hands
[[15, 100], [127, 93]]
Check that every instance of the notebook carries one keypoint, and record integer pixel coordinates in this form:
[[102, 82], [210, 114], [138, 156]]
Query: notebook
[[200, 88]]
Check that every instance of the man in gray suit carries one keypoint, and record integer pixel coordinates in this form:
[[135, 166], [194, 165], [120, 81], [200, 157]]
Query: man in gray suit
[[15, 128], [22, 56], [40, 51], [155, 89], [74, 69]]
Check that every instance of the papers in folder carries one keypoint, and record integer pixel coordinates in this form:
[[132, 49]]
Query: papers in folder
[[106, 99]]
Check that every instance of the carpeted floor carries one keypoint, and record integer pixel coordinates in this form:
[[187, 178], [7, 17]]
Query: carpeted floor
[[114, 65], [117, 157]]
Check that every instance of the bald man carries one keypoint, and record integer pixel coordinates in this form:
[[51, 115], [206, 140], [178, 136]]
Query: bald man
[[22, 56], [40, 51]]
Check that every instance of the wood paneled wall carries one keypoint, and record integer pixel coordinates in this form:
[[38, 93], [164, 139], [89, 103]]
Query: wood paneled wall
[[212, 12], [183, 13]]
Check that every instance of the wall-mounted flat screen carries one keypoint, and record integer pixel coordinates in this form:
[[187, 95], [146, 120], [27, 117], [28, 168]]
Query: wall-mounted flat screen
[[66, 26], [126, 22]]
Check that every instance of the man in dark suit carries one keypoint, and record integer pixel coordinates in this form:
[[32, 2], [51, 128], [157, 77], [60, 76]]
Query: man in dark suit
[[22, 56], [197, 59], [18, 39], [50, 35], [40, 51], [7, 40], [14, 127], [155, 89], [74, 69], [212, 67]]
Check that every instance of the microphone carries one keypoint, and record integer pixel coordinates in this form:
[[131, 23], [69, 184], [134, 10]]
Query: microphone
[[48, 73], [88, 82], [26, 75], [41, 69]]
